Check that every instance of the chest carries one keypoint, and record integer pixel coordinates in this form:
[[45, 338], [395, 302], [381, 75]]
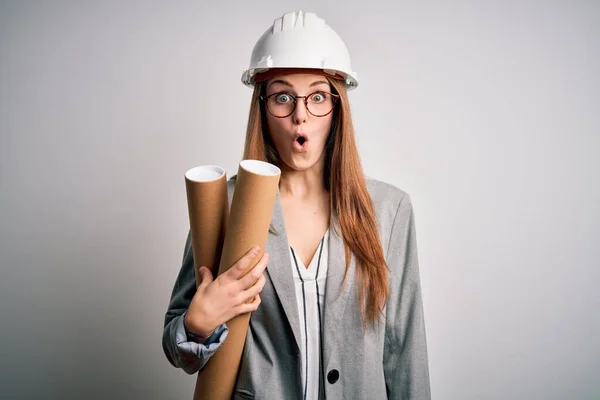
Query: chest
[[305, 225]]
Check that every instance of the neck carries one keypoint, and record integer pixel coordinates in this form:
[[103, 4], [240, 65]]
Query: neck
[[303, 184]]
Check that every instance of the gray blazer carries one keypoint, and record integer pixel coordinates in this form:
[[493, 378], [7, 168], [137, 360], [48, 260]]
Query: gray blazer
[[385, 361]]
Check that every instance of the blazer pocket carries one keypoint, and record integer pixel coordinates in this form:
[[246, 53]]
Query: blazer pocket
[[243, 394]]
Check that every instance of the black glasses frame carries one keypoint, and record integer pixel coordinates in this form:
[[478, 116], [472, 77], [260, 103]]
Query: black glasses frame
[[335, 98]]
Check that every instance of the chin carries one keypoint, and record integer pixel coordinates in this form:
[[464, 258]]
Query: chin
[[299, 164]]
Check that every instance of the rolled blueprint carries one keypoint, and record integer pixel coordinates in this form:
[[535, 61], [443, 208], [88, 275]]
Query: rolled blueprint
[[247, 226], [208, 210]]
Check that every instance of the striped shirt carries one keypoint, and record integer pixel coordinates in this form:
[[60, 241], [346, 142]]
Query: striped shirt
[[310, 295]]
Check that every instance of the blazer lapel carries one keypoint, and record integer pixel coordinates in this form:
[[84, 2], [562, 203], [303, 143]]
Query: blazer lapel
[[336, 296], [279, 270]]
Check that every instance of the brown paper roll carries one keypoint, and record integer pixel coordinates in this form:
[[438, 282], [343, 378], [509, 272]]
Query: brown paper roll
[[248, 226], [208, 210]]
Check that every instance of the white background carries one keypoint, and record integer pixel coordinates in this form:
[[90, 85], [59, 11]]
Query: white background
[[487, 113]]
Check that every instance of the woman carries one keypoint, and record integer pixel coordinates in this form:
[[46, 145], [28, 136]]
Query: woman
[[336, 299]]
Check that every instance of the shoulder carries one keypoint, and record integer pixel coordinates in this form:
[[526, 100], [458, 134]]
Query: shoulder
[[393, 211], [385, 196], [392, 206]]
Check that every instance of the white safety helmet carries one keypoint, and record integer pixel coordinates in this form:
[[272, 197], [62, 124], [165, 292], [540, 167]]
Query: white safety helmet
[[301, 40]]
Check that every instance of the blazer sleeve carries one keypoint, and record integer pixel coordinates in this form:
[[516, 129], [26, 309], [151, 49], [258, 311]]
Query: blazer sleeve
[[405, 361], [182, 353]]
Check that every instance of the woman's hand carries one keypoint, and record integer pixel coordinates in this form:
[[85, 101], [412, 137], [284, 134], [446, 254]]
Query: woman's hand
[[218, 300]]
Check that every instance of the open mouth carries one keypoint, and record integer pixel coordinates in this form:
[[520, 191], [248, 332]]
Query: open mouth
[[300, 142]]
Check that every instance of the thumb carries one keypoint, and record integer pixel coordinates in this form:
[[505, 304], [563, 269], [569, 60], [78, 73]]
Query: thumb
[[206, 276]]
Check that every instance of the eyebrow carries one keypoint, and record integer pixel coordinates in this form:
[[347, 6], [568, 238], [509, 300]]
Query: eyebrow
[[286, 83]]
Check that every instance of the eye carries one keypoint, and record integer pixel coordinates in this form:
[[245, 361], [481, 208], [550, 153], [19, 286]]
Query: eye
[[283, 98], [318, 97]]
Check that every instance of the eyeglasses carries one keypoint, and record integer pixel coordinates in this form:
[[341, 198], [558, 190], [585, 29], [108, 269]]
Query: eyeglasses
[[283, 104]]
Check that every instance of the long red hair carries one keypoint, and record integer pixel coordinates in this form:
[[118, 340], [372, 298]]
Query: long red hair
[[350, 200]]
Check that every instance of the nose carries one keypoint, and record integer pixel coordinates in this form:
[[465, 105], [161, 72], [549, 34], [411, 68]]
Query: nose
[[300, 112]]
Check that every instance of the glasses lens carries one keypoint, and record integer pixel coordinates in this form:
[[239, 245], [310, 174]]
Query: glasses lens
[[281, 104], [320, 103]]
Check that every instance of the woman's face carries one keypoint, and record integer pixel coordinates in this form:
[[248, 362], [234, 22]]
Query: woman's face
[[300, 137]]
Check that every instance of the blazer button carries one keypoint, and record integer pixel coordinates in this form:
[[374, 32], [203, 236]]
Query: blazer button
[[333, 376]]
